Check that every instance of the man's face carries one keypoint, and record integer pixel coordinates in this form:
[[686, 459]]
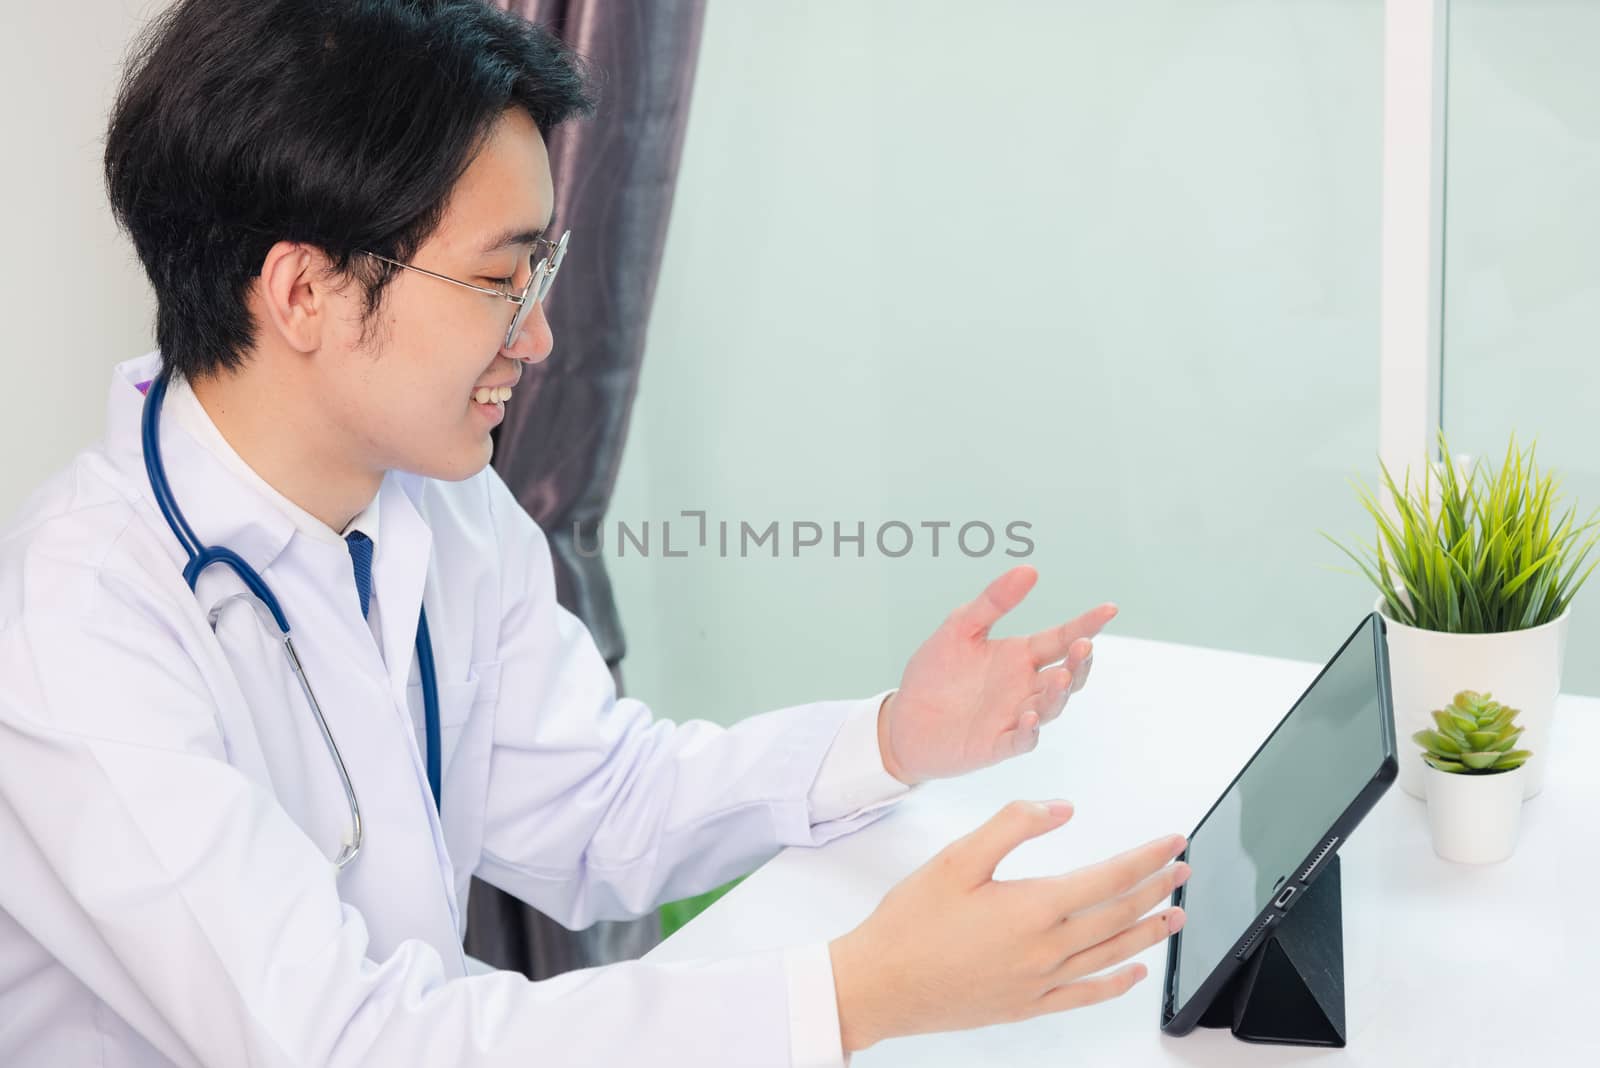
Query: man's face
[[406, 398]]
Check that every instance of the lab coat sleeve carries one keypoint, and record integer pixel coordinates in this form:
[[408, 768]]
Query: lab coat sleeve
[[178, 891], [852, 780], [597, 810]]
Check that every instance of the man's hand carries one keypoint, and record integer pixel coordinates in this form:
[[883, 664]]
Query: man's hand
[[967, 700], [951, 948]]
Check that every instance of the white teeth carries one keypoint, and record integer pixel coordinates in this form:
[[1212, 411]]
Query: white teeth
[[505, 393], [482, 395]]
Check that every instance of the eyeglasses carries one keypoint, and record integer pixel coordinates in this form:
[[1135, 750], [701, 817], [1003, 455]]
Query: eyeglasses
[[540, 279]]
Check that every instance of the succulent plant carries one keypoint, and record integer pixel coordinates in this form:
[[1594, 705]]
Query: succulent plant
[[1475, 736]]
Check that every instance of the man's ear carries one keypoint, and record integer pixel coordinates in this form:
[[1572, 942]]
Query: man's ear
[[294, 293]]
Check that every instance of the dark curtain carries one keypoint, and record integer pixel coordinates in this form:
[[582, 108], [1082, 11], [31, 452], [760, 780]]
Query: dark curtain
[[561, 442]]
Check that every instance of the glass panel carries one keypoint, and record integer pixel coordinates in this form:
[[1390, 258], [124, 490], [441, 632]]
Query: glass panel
[[1108, 270], [1522, 271]]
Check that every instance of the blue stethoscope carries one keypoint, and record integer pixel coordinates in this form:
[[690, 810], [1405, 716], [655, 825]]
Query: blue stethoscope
[[202, 557]]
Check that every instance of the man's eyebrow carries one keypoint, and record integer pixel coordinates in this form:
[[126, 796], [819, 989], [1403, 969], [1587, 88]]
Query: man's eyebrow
[[514, 236]]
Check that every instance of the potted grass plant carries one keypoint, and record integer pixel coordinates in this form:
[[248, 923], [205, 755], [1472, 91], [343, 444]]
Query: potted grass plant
[[1476, 570], [1475, 774]]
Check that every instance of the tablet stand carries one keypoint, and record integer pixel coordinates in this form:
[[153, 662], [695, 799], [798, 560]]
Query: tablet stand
[[1291, 992]]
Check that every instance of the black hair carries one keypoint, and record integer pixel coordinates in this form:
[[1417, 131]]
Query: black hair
[[343, 124]]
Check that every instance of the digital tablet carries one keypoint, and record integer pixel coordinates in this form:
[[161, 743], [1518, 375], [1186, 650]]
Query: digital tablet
[[1271, 832]]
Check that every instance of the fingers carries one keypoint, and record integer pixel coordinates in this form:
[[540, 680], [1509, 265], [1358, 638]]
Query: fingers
[[1048, 646], [1087, 992], [1000, 597], [1121, 946], [1088, 887], [1109, 919], [1023, 738], [1059, 683], [976, 855], [1080, 661]]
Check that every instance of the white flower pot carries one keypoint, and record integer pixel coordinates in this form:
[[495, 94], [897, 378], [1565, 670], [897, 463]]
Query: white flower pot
[[1520, 668], [1474, 818]]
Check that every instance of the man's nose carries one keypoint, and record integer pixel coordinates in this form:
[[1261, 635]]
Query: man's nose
[[534, 341]]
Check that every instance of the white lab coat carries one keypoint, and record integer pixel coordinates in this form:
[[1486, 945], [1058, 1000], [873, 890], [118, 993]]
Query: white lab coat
[[168, 810]]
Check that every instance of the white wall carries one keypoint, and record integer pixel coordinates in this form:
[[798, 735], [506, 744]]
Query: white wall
[[1108, 268], [76, 301]]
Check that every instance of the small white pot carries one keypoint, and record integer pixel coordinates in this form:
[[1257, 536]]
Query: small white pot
[[1474, 818], [1520, 668]]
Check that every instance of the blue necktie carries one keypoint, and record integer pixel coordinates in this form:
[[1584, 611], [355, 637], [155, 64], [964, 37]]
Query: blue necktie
[[361, 558]]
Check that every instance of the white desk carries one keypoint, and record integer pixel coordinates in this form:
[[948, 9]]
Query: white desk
[[1444, 964]]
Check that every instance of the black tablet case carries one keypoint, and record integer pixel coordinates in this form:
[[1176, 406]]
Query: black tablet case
[[1291, 992]]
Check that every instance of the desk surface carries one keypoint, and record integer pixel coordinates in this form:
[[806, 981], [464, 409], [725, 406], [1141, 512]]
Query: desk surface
[[1445, 964]]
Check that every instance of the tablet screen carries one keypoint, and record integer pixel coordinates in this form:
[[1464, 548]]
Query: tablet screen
[[1310, 770]]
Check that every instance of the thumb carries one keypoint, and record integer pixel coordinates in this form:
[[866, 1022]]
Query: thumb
[[998, 598], [979, 853]]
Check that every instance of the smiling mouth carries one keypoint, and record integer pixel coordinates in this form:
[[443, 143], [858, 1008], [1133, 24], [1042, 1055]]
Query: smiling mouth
[[492, 395]]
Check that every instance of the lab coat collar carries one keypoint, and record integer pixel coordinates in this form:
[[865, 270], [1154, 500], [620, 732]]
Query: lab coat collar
[[220, 507]]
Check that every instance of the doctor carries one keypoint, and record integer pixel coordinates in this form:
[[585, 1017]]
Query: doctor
[[215, 853]]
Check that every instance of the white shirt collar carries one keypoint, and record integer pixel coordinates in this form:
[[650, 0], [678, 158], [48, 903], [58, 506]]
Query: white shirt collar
[[194, 418]]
